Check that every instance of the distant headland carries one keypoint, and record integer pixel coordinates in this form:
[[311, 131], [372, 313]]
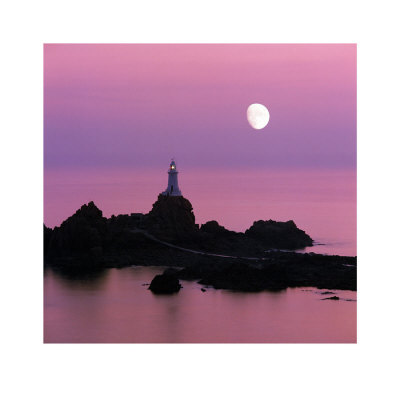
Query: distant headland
[[169, 236]]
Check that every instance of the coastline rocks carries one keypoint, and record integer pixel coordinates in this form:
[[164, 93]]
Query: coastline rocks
[[47, 233], [278, 235], [171, 218], [88, 241], [79, 233], [331, 298], [213, 227], [234, 275], [165, 284], [281, 270], [213, 237]]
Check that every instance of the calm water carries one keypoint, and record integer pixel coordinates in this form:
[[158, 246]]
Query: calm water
[[115, 307]]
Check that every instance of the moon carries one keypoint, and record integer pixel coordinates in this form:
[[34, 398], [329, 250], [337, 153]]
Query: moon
[[258, 116]]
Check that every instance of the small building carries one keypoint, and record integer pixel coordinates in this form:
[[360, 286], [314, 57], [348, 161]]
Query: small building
[[172, 188]]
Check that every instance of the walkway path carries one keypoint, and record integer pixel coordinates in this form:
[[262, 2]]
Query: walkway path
[[151, 237]]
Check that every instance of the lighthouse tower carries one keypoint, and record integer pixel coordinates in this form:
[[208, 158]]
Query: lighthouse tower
[[173, 188]]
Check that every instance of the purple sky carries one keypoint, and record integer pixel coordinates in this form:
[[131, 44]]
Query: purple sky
[[139, 105]]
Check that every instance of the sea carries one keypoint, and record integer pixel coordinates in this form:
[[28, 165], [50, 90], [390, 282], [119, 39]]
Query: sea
[[115, 305]]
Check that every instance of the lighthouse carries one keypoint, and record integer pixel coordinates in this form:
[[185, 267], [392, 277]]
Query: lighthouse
[[173, 188]]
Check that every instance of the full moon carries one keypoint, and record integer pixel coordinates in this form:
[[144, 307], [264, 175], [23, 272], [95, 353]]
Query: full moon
[[258, 116]]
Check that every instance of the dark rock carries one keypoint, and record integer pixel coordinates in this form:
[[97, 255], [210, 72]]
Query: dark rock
[[279, 271], [203, 290], [279, 235], [96, 251], [88, 241], [171, 271], [47, 233], [236, 275], [331, 298], [80, 233], [213, 227], [165, 284], [171, 218], [327, 293]]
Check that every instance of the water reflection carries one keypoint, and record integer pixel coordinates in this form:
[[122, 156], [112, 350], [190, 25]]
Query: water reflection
[[79, 278], [116, 308]]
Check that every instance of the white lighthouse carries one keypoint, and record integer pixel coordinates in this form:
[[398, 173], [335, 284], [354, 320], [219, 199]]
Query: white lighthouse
[[173, 188]]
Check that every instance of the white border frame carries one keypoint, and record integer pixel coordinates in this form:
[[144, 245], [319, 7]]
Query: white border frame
[[199, 371]]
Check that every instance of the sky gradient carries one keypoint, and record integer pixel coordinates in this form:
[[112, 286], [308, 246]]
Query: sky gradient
[[138, 105], [114, 115]]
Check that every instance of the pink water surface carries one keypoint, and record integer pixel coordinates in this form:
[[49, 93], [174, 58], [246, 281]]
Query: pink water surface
[[320, 201], [115, 307]]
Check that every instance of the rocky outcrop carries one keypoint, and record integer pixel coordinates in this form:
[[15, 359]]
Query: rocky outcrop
[[87, 240], [213, 227], [278, 235], [171, 218], [47, 233], [165, 284], [279, 271], [80, 233], [331, 298], [261, 236]]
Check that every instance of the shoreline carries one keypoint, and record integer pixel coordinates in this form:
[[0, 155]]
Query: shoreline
[[262, 258]]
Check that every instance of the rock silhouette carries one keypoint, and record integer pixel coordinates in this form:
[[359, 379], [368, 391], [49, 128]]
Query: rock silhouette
[[169, 236], [331, 298], [279, 235], [172, 218], [165, 284], [79, 234]]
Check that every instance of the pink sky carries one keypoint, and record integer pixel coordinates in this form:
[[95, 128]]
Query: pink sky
[[137, 106], [114, 115]]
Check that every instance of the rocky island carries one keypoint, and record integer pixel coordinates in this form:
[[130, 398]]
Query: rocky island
[[213, 255]]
